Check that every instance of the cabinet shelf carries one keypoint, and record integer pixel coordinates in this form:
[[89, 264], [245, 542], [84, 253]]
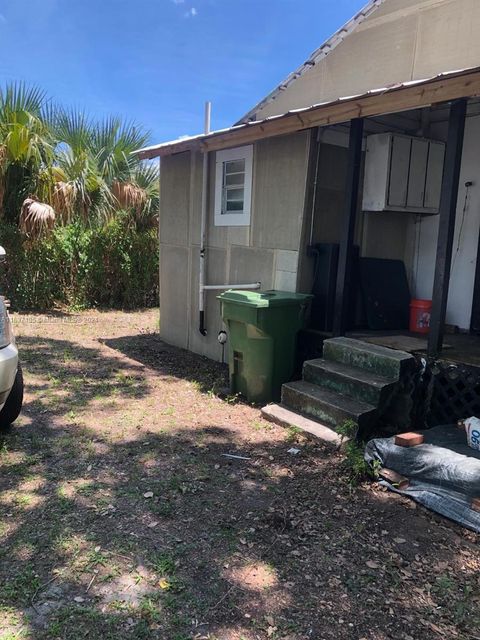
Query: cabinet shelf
[[403, 173]]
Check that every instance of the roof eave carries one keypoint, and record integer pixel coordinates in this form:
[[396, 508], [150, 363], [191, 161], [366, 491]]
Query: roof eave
[[415, 94]]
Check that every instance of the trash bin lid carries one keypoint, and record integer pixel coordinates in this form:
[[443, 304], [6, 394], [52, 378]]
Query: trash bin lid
[[262, 299]]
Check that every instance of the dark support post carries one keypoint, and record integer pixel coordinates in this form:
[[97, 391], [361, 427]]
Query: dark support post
[[342, 296], [446, 225]]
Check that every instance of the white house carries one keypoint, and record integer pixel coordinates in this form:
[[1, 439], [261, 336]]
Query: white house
[[371, 143]]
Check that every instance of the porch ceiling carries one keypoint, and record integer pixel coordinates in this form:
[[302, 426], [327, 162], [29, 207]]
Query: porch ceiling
[[417, 94]]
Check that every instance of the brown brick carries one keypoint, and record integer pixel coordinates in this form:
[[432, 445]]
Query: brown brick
[[394, 478], [408, 439], [476, 504]]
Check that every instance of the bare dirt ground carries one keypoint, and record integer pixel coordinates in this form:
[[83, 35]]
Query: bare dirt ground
[[120, 517]]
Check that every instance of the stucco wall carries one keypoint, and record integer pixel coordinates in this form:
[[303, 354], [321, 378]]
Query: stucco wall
[[267, 250], [402, 40]]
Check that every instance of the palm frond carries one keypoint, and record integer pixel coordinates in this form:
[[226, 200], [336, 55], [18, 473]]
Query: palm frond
[[139, 194], [16, 97], [71, 128], [36, 218]]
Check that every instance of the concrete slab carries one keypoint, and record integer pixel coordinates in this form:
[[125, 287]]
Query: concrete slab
[[285, 281], [285, 417], [279, 191], [286, 260], [174, 288], [175, 199], [248, 264]]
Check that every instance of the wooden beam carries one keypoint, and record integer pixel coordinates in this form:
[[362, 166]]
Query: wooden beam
[[418, 95], [404, 98], [446, 224], [342, 296]]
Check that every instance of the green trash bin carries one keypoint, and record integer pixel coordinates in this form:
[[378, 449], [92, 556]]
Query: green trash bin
[[262, 339]]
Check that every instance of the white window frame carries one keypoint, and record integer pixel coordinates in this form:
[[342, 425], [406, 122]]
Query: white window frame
[[242, 218]]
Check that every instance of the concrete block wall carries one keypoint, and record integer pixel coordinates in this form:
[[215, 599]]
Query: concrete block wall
[[266, 251]]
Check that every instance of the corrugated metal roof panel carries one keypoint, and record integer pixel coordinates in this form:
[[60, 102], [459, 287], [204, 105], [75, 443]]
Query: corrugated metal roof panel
[[186, 143], [323, 50]]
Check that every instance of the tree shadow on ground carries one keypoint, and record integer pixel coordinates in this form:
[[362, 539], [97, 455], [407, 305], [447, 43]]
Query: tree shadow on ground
[[160, 535], [77, 375], [153, 352]]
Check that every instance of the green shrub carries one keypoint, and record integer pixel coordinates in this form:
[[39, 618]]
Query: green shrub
[[109, 266], [355, 465]]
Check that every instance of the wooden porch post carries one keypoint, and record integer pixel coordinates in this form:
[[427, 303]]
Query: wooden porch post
[[342, 295], [446, 226]]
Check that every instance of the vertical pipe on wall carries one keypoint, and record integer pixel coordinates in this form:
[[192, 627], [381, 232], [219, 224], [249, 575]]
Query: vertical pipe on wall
[[203, 226]]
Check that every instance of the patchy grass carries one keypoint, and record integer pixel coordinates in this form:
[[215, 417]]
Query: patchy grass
[[121, 519]]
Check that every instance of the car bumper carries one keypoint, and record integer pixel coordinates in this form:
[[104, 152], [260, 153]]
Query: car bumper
[[8, 371]]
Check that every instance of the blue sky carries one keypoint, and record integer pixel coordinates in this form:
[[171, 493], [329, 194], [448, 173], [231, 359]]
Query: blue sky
[[157, 61]]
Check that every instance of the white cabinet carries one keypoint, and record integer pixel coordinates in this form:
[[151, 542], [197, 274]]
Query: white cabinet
[[402, 173]]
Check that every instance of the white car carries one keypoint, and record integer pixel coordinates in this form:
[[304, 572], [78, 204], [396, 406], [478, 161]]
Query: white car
[[11, 378]]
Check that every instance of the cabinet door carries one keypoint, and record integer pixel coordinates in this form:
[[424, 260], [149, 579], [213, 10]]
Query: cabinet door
[[417, 174], [399, 166], [433, 183]]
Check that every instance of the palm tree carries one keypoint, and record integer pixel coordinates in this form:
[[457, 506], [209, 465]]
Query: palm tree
[[81, 168], [26, 145], [95, 173]]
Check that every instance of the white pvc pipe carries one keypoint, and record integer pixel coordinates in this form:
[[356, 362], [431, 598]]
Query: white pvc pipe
[[219, 287], [203, 224], [202, 287]]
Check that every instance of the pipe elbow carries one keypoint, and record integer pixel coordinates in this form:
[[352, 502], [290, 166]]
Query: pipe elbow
[[201, 327]]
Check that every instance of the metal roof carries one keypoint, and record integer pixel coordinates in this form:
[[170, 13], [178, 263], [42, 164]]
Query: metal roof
[[440, 88], [323, 50]]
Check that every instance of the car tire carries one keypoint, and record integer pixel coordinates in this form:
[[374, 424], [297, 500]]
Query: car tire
[[13, 405]]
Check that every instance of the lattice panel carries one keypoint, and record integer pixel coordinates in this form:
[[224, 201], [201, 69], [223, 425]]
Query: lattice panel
[[456, 393]]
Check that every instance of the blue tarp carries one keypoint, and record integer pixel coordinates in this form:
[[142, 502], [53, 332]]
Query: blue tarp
[[444, 472]]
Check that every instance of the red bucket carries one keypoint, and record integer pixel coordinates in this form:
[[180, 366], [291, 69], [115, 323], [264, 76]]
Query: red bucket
[[420, 312]]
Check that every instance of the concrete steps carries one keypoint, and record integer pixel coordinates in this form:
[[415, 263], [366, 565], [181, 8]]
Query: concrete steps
[[353, 381], [326, 406], [346, 380], [370, 357]]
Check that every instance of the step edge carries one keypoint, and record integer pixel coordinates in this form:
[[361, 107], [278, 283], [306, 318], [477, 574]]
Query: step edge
[[396, 354], [364, 407], [283, 416], [323, 363]]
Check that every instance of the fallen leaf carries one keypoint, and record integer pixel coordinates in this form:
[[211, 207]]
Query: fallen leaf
[[164, 584]]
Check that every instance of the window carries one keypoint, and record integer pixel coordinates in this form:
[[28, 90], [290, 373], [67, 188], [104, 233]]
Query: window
[[233, 186]]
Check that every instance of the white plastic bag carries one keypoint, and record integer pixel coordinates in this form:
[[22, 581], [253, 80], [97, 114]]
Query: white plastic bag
[[472, 429]]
